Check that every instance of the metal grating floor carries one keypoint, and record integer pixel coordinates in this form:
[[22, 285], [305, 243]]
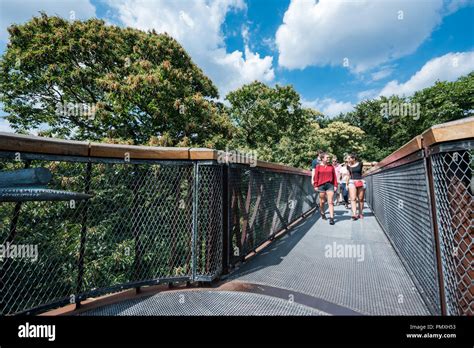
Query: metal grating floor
[[377, 285], [204, 302]]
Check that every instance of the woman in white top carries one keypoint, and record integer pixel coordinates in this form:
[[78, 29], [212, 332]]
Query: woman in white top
[[343, 180]]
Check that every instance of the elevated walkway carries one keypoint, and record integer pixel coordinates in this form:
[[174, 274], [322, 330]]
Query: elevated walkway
[[109, 227], [316, 269]]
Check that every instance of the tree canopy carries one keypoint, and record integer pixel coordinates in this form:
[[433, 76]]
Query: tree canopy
[[86, 79], [89, 80], [271, 121], [389, 128]]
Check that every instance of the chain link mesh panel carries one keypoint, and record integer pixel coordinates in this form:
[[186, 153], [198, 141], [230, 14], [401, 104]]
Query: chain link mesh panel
[[262, 202], [454, 188], [399, 199], [49, 234], [209, 234], [136, 229], [139, 223]]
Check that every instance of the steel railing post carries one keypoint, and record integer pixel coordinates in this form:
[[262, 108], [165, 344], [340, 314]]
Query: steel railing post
[[432, 202], [195, 221], [82, 247], [225, 219]]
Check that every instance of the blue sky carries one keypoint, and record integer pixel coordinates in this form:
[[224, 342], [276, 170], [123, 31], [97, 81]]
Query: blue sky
[[334, 52]]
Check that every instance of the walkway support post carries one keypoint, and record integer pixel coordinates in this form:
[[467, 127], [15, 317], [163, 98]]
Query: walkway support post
[[434, 222], [195, 220], [225, 219], [82, 247]]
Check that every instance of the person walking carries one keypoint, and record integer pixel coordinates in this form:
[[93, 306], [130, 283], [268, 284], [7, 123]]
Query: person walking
[[343, 180], [337, 169], [357, 186], [325, 181], [314, 163]]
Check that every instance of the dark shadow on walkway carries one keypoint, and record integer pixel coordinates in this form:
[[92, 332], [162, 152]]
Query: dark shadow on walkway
[[280, 247]]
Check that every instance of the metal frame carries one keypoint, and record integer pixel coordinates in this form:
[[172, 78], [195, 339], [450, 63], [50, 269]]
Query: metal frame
[[195, 221], [450, 183], [451, 146], [393, 241], [436, 204], [217, 182], [264, 202], [79, 292], [434, 226]]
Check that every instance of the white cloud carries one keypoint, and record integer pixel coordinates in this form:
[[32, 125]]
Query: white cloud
[[454, 5], [270, 43], [197, 26], [245, 34], [445, 68], [329, 106], [366, 32], [5, 126], [20, 11], [381, 74], [368, 94]]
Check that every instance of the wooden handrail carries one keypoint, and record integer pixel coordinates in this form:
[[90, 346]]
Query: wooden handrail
[[449, 131], [407, 149], [52, 146]]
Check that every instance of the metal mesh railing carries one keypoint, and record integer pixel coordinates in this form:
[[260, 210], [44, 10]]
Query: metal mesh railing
[[51, 232], [399, 198], [404, 199], [103, 225], [209, 221], [146, 222], [263, 202], [453, 169]]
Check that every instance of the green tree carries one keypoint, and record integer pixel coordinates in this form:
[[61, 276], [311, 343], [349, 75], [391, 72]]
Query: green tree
[[391, 122], [368, 116], [299, 152], [443, 102], [262, 113], [343, 138], [272, 121], [89, 80]]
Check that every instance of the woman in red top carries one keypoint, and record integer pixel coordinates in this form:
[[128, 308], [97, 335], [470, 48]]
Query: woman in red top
[[325, 181]]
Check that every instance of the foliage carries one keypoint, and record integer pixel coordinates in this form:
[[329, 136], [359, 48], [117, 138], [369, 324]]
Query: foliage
[[272, 122], [387, 131], [343, 139], [139, 85], [145, 89]]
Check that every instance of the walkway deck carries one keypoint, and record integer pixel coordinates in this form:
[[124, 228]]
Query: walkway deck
[[375, 284], [297, 275]]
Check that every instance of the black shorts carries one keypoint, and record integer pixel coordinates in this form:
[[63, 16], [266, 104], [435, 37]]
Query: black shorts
[[326, 187]]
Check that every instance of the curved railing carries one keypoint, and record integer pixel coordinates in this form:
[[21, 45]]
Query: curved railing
[[81, 219], [422, 196]]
